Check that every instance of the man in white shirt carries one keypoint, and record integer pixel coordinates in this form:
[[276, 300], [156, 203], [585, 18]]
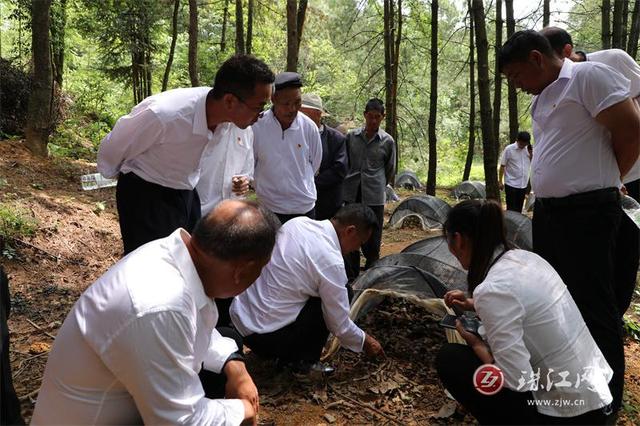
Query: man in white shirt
[[627, 257], [156, 149], [301, 294], [132, 347], [287, 151], [514, 168], [586, 129]]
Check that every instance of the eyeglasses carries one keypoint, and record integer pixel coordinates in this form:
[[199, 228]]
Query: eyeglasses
[[258, 110]]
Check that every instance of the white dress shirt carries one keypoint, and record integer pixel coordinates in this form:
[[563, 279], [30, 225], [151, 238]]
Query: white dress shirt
[[286, 163], [573, 151], [230, 153], [622, 62], [533, 326], [306, 262], [161, 140], [131, 348], [516, 164]]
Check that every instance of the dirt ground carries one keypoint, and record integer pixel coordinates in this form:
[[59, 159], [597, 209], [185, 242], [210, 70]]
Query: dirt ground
[[77, 239]]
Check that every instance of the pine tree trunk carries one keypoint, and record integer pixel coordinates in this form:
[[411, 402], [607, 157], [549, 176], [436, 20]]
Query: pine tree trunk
[[58, 26], [632, 48], [618, 8], [472, 98], [300, 19], [513, 94], [497, 77], [41, 98], [193, 43], [172, 49], [239, 28], [433, 102], [546, 13], [292, 36], [249, 27], [225, 20], [484, 92], [625, 24], [606, 24]]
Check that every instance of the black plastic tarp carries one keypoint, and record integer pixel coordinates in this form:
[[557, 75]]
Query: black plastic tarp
[[408, 180], [429, 210], [470, 190], [518, 230]]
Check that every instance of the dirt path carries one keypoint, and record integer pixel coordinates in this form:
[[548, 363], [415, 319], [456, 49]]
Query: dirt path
[[78, 239]]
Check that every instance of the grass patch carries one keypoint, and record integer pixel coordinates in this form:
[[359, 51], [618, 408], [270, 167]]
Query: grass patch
[[15, 222]]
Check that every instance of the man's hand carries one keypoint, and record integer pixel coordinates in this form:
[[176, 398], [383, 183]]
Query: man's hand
[[501, 185], [372, 347], [240, 385], [457, 299], [250, 414], [476, 343], [240, 185]]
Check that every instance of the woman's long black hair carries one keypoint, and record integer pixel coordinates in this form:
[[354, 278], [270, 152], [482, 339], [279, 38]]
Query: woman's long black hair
[[483, 224]]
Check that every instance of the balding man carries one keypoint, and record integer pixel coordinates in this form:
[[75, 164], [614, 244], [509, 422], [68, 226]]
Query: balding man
[[131, 348]]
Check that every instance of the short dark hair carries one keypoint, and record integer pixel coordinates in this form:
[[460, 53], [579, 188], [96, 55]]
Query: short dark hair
[[359, 215], [374, 104], [248, 234], [481, 221], [520, 44], [239, 75], [558, 38], [524, 137]]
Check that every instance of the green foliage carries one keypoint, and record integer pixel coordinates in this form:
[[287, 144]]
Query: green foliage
[[15, 223]]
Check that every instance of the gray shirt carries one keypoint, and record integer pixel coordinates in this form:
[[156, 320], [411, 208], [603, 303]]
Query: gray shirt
[[372, 164]]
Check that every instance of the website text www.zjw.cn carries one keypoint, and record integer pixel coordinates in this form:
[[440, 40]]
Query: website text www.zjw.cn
[[556, 402]]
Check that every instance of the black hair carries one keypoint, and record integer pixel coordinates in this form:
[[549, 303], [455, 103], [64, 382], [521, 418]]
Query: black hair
[[374, 104], [250, 233], [359, 215], [239, 75], [481, 221], [520, 44], [558, 38], [524, 137]]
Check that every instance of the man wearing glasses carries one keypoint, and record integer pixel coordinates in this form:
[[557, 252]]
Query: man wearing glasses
[[156, 150], [288, 153]]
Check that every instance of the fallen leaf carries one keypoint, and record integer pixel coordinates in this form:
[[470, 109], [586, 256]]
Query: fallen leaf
[[328, 417], [39, 347], [446, 410]]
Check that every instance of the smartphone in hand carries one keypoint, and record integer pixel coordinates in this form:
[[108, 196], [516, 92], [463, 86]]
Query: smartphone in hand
[[470, 324]]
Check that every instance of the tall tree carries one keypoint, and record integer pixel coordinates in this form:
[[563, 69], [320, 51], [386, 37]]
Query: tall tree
[[546, 13], [472, 98], [433, 102], [58, 24], [225, 21], [497, 76], [41, 98], [172, 49], [484, 93], [239, 28], [634, 33], [606, 24], [513, 94], [193, 43], [392, 36], [250, 11], [625, 24], [618, 10], [296, 13]]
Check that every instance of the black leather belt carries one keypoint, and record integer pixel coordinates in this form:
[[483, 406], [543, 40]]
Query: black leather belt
[[590, 198]]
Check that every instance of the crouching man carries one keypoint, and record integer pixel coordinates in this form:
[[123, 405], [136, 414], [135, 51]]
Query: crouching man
[[132, 347], [301, 294]]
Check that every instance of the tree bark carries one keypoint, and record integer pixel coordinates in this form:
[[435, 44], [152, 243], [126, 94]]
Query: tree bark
[[392, 36], [625, 24], [193, 43], [172, 49], [249, 27], [513, 94], [488, 141], [433, 102], [497, 77], [41, 98], [632, 47], [58, 26], [606, 24], [546, 13], [472, 98], [300, 19], [292, 36], [239, 28], [225, 20]]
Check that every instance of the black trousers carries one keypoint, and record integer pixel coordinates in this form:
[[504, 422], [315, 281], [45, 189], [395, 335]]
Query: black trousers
[[577, 236], [514, 197], [627, 258], [370, 249], [9, 403], [456, 364], [148, 211], [214, 383], [302, 340], [287, 217]]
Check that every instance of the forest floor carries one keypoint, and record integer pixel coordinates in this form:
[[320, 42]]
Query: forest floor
[[77, 239]]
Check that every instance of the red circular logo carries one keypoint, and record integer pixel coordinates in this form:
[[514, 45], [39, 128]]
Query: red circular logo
[[488, 379]]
